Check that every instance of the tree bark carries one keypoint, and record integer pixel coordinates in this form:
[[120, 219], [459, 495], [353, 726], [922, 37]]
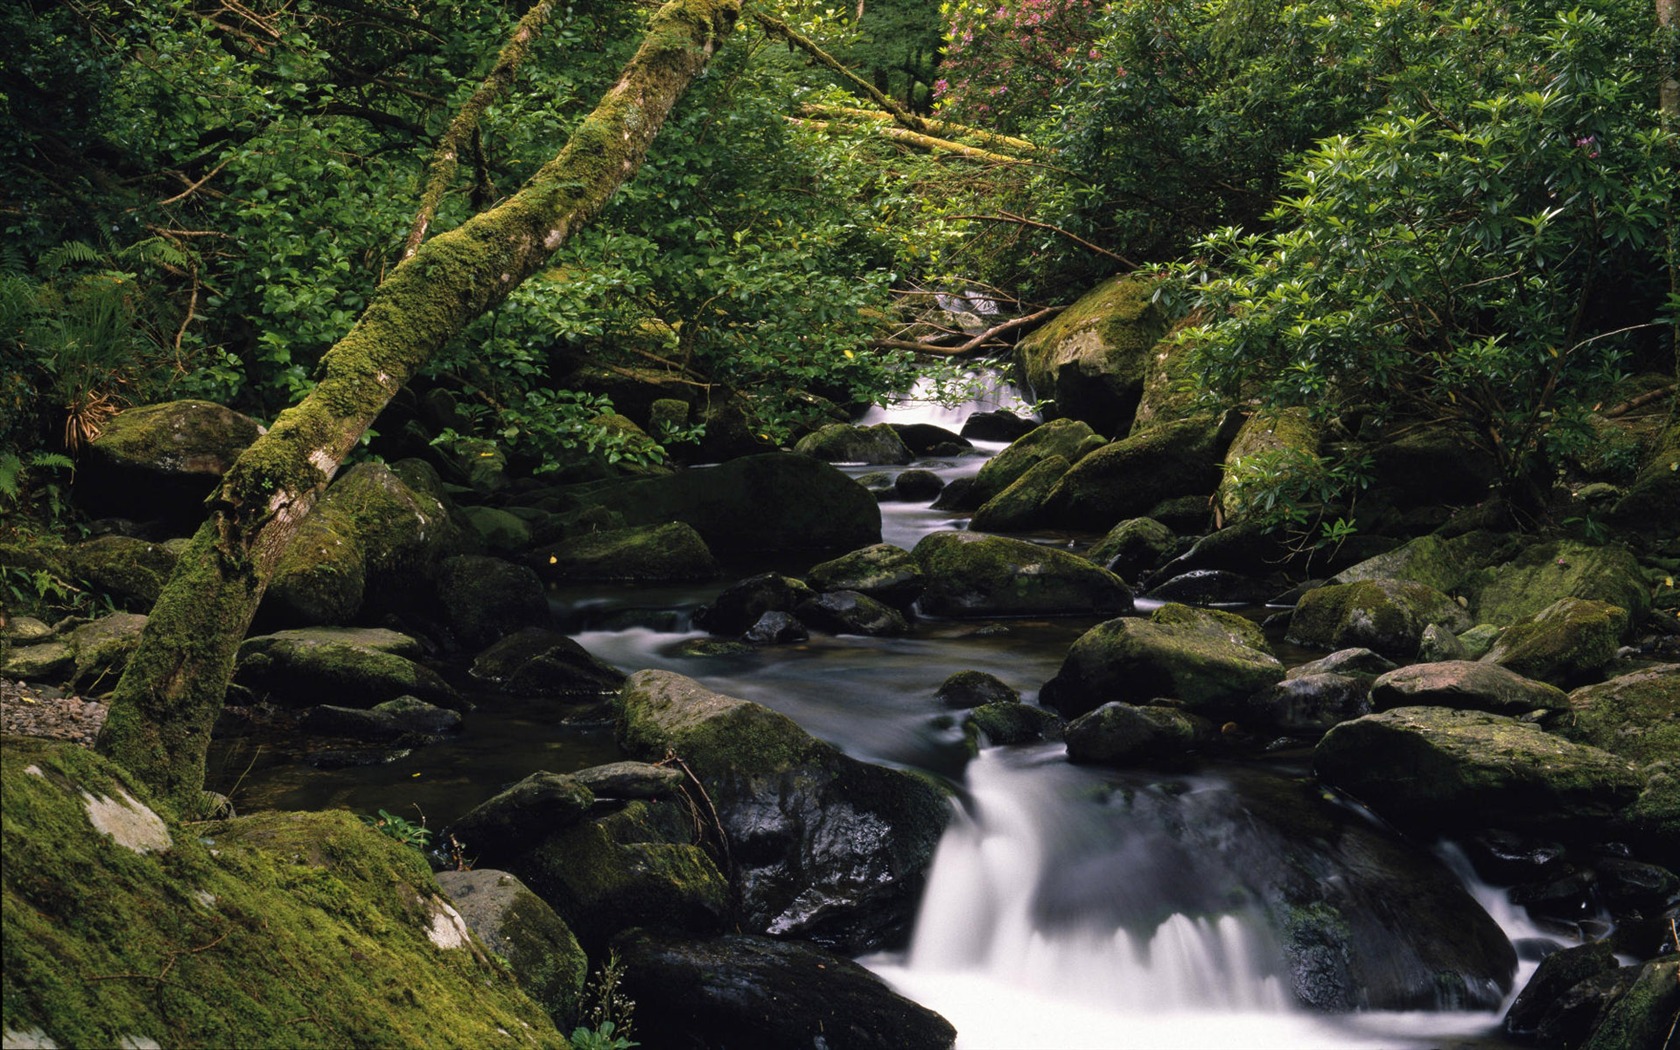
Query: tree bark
[[169, 696], [1668, 40]]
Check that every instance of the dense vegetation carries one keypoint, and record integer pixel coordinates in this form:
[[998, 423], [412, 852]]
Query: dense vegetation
[[1456, 209]]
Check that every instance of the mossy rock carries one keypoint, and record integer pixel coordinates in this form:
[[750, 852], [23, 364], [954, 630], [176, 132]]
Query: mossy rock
[[334, 666], [1008, 724], [158, 462], [102, 650], [742, 603], [500, 531], [1651, 504], [294, 929], [974, 575], [878, 445], [403, 532], [1133, 547], [1646, 1013], [1387, 616], [1568, 643], [1431, 466], [1451, 770], [770, 502], [1117, 734], [672, 551], [849, 612], [131, 571], [1290, 431], [1516, 589], [1070, 439], [642, 455], [521, 928], [1636, 715], [966, 689], [1466, 684], [1091, 358], [537, 661], [1171, 386], [882, 571], [1018, 507], [483, 599], [1197, 656], [321, 580], [1130, 477]]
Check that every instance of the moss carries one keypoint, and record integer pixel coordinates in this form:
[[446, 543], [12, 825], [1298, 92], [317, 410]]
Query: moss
[[1286, 430], [1387, 616], [672, 551], [275, 930], [1568, 643], [660, 712], [1200, 661], [132, 571], [1635, 715], [1070, 439], [1544, 572], [969, 574], [1091, 359], [321, 578], [1128, 478], [1215, 623], [1646, 1014], [1018, 506]]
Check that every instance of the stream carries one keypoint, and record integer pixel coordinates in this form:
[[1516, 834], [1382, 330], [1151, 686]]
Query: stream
[[1067, 906]]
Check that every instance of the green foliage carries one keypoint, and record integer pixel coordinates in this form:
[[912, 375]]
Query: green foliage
[[400, 830], [610, 1011], [604, 1037], [1451, 256]]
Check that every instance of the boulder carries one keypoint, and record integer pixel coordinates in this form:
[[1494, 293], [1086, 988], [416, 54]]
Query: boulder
[[882, 571], [1517, 588], [917, 486], [627, 780], [748, 991], [101, 650], [849, 612], [1008, 722], [1000, 425], [1570, 642], [1654, 496], [1430, 466], [1089, 361], [519, 927], [131, 571], [1119, 734], [1446, 770], [1431, 560], [1017, 507], [1635, 715], [973, 688], [296, 927], [1387, 616], [1068, 439], [321, 579], [1130, 477], [1291, 435], [1308, 704], [1134, 547], [1211, 587], [347, 667], [484, 599], [1209, 660], [1465, 684], [1437, 644], [926, 439], [972, 575], [499, 530], [537, 661], [755, 504], [671, 551], [776, 628], [403, 718], [403, 533], [825, 847], [509, 822], [878, 445], [742, 604], [159, 462], [1645, 1014]]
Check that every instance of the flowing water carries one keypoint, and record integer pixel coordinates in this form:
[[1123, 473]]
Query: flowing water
[[1055, 916]]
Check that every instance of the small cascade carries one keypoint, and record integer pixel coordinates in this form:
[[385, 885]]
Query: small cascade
[[987, 391]]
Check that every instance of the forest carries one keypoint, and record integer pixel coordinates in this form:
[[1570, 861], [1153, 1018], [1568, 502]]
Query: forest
[[1305, 301]]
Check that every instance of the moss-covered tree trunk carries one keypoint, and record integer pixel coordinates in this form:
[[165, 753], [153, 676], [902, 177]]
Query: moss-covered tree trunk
[[168, 698]]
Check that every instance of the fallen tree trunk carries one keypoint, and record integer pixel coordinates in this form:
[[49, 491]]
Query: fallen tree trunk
[[169, 696]]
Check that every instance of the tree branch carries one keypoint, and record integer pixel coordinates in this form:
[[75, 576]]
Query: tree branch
[[1022, 220], [977, 342], [917, 139]]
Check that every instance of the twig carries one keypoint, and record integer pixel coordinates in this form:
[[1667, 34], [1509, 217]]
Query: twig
[[1022, 220], [977, 341], [916, 138], [193, 187], [1635, 402]]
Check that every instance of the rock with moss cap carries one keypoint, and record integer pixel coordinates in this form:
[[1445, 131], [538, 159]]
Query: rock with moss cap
[[878, 445], [672, 551], [1570, 642], [349, 667], [1068, 439], [1089, 361], [1307, 705], [403, 532], [1465, 684], [1517, 588], [483, 599], [1450, 770], [1652, 503], [973, 688], [521, 928], [539, 661], [1118, 734], [98, 882], [158, 462], [1645, 1014], [849, 612], [102, 649], [131, 571], [882, 571], [1133, 547], [741, 604], [1290, 435], [1131, 477], [1637, 716], [1018, 507], [321, 580], [1387, 616], [1006, 723], [973, 575], [1209, 660], [826, 847]]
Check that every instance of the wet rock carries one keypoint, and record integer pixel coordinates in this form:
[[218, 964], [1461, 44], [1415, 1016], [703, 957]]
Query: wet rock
[[348, 667], [1574, 1014], [1569, 643], [1504, 856], [132, 571], [973, 688], [1211, 587], [519, 927], [849, 612], [1091, 358], [1557, 974], [1355, 662], [1000, 425], [159, 462], [508, 823], [404, 717], [1387, 616], [1068, 439], [746, 991], [1005, 723], [1445, 769], [775, 628], [102, 649], [484, 599], [1134, 547], [671, 551], [882, 571], [1631, 884], [1563, 892], [971, 575], [741, 604], [825, 847], [1645, 1014], [1465, 684], [1119, 734], [537, 661], [626, 780], [1307, 705], [1131, 477], [917, 486], [757, 504], [1018, 507], [926, 439], [1209, 660], [879, 445]]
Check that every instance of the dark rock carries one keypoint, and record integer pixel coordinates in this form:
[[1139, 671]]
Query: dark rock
[[1089, 361], [742, 604], [1563, 892], [1577, 1010], [347, 667], [484, 599], [844, 443], [775, 628], [1307, 705], [1634, 884], [1067, 439], [537, 661], [1211, 587], [1432, 466], [405, 716], [996, 426], [1134, 547], [671, 551], [917, 486], [970, 575], [505, 825], [849, 612], [1006, 723], [925, 439], [1355, 662], [159, 462], [884, 572], [1131, 477], [519, 927], [624, 780], [747, 992], [1507, 857], [1465, 684], [973, 688], [1645, 1014], [1120, 734], [956, 495], [1558, 972], [131, 571]]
